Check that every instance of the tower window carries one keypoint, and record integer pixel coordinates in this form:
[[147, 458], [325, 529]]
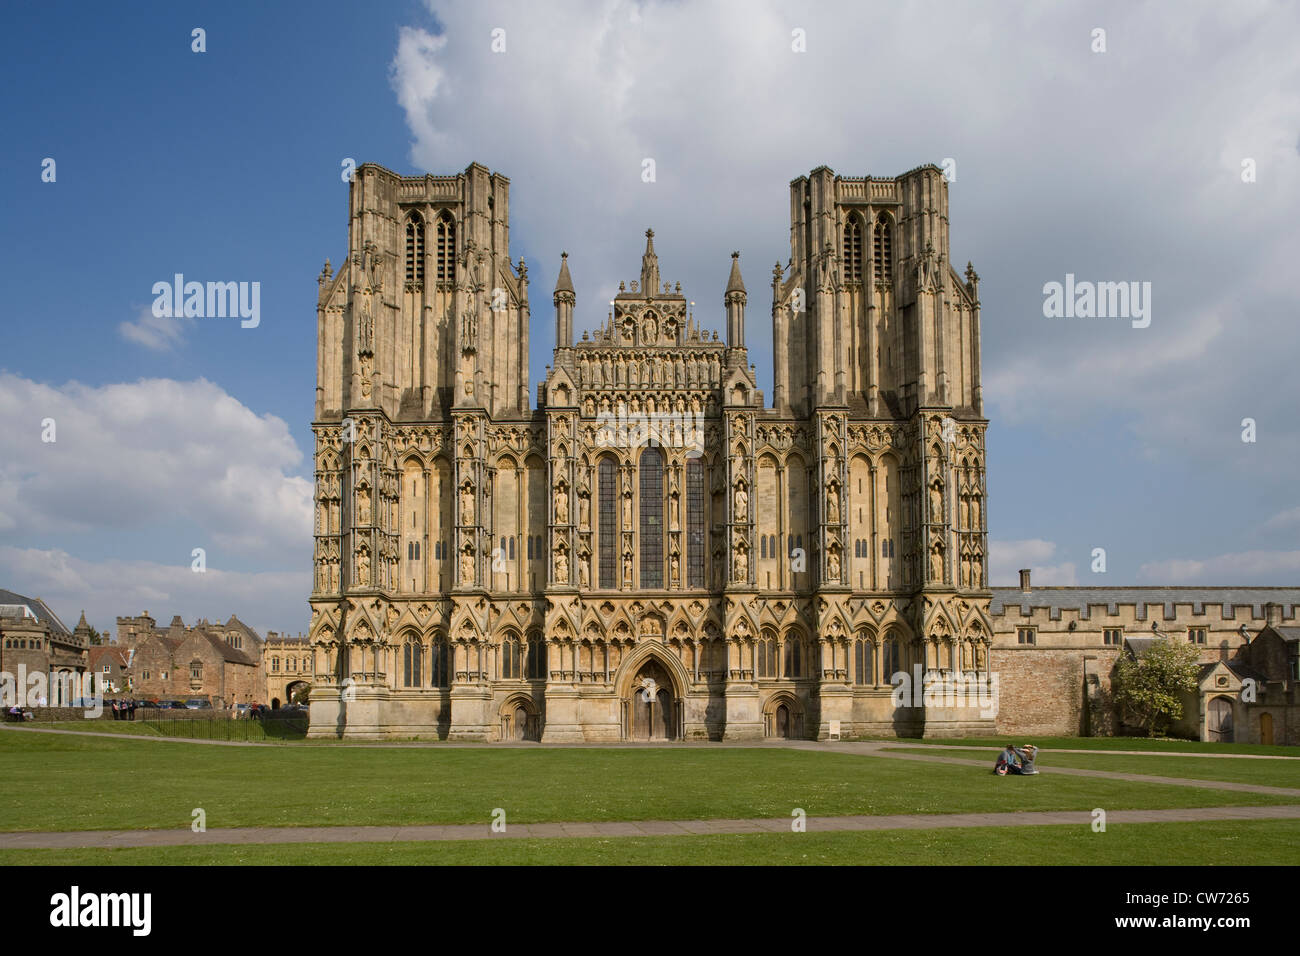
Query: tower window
[[415, 248], [882, 251], [446, 249], [853, 249]]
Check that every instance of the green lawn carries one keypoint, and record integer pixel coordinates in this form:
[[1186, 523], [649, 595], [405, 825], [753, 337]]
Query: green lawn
[[1254, 843], [67, 782], [1099, 743], [1266, 773]]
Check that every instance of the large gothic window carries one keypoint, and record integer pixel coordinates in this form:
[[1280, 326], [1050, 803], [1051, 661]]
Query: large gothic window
[[892, 659], [510, 659], [793, 655], [766, 663], [882, 251], [853, 249], [536, 657], [864, 653], [606, 517], [415, 248], [652, 518], [440, 663], [694, 522], [412, 658], [446, 250]]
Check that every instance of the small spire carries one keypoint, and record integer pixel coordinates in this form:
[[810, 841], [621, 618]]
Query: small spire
[[565, 282], [735, 283], [650, 265]]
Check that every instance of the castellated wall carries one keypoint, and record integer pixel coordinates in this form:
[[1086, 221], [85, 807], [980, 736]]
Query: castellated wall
[[1060, 684]]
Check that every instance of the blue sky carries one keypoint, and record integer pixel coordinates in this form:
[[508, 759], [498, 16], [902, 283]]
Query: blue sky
[[225, 165]]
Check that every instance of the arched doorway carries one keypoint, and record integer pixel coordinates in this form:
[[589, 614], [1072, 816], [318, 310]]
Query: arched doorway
[[296, 692], [1266, 729], [520, 720], [1218, 721], [652, 708], [783, 718]]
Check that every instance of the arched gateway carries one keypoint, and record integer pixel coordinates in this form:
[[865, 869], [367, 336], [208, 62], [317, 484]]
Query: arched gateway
[[651, 704]]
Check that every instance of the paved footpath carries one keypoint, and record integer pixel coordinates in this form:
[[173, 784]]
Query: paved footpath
[[108, 839], [876, 750]]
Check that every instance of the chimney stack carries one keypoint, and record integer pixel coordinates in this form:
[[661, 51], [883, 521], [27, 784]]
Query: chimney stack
[[1024, 580]]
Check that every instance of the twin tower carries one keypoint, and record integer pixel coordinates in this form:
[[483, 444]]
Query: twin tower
[[653, 550], [868, 313]]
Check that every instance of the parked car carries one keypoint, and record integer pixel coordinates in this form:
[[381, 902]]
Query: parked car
[[198, 703], [242, 711]]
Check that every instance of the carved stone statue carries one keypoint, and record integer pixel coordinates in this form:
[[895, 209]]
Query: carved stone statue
[[742, 503], [363, 568], [561, 568], [936, 502], [561, 506], [673, 566], [936, 564], [833, 505], [584, 571], [467, 505], [627, 567], [363, 505], [584, 510], [466, 567], [627, 510], [366, 332], [833, 566], [742, 564]]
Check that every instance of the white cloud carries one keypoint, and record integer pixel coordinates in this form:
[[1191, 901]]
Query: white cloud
[[1240, 568], [1284, 518], [107, 589], [1007, 558], [148, 456], [157, 334], [1063, 166]]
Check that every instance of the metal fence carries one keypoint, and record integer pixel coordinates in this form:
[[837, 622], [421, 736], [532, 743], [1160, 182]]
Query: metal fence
[[273, 726]]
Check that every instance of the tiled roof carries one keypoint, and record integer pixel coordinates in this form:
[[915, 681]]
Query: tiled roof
[[1153, 598], [39, 608], [227, 652], [99, 652]]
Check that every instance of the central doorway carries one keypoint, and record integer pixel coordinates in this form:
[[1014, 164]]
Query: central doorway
[[652, 706]]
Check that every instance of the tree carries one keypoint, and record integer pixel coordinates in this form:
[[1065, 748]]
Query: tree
[[96, 638], [1148, 685]]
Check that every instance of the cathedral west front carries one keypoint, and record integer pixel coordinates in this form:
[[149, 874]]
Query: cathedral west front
[[649, 547]]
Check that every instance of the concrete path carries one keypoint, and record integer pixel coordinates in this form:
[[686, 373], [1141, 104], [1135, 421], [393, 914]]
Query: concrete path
[[107, 839], [871, 750], [1073, 750]]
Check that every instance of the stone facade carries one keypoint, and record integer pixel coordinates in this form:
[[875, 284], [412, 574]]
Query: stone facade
[[286, 659], [1055, 648], [202, 661], [653, 551], [33, 640]]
